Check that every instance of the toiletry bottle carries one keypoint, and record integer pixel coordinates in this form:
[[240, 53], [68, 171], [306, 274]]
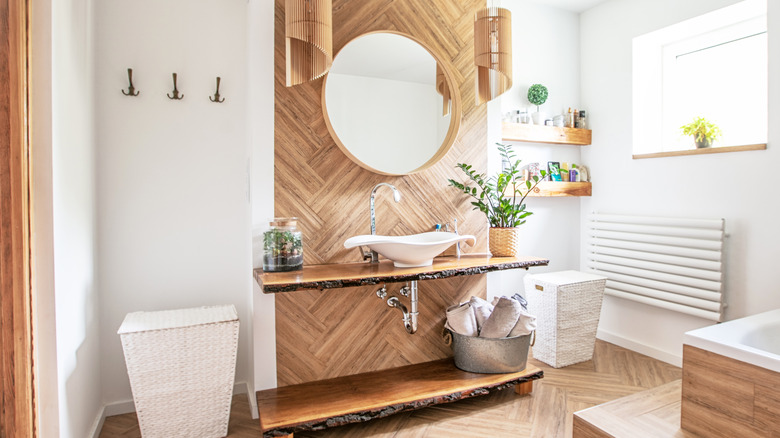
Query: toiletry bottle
[[565, 172], [583, 121], [570, 119], [574, 174], [575, 120], [584, 174]]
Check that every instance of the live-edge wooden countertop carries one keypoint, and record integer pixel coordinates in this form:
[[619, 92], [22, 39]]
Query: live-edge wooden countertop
[[338, 275]]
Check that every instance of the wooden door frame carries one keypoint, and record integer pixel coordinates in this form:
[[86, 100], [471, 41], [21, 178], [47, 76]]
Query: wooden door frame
[[18, 403]]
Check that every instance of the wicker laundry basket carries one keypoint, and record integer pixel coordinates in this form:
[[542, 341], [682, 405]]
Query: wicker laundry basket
[[181, 365], [567, 305]]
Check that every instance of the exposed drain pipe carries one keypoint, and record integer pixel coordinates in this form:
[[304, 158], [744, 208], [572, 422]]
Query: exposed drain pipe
[[409, 317]]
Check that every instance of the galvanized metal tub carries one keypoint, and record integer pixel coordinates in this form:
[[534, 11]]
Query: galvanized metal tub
[[490, 356]]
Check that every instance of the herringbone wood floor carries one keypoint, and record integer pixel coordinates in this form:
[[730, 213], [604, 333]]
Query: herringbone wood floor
[[614, 372]]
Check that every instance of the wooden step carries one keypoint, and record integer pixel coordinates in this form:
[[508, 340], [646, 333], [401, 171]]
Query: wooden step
[[654, 413], [362, 397]]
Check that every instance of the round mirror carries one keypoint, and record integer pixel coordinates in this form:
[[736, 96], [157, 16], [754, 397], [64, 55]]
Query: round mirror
[[390, 105]]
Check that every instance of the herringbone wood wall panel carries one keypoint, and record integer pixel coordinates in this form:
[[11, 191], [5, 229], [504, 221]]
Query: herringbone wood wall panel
[[347, 331]]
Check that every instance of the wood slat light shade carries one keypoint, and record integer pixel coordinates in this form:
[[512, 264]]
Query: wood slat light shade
[[309, 39], [493, 52]]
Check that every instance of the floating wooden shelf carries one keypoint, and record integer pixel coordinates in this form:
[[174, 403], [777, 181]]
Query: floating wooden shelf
[[363, 397], [557, 188], [545, 134], [341, 275]]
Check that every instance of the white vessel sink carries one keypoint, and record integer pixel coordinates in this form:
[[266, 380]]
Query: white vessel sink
[[409, 251]]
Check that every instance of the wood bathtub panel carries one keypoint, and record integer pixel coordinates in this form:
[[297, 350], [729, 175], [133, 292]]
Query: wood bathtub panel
[[767, 408], [707, 388], [320, 334], [724, 397]]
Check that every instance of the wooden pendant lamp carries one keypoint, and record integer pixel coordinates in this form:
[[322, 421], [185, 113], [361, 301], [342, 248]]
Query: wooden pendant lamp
[[309, 39], [493, 52]]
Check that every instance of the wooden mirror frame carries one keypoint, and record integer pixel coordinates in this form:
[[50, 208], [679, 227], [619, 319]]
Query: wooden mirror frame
[[455, 109]]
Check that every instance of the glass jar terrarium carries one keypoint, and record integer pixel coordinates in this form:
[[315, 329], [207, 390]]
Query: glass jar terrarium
[[282, 246]]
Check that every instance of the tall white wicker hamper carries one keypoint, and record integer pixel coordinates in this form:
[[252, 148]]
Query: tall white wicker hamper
[[182, 365], [567, 305]]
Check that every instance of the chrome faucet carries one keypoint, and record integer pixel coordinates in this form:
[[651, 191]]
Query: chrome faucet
[[397, 196]]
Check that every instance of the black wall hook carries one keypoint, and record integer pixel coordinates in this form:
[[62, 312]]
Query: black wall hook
[[176, 95], [131, 89], [216, 95]]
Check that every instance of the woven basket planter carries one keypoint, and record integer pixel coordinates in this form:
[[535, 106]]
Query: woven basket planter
[[503, 242]]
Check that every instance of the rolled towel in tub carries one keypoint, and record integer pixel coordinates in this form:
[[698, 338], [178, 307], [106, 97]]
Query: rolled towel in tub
[[526, 323], [461, 319], [482, 310], [502, 320]]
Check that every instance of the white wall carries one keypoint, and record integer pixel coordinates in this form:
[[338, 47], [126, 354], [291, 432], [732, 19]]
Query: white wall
[[77, 300], [260, 116], [44, 299], [719, 185], [545, 50], [172, 176]]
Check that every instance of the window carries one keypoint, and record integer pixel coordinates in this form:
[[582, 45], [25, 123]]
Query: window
[[713, 66]]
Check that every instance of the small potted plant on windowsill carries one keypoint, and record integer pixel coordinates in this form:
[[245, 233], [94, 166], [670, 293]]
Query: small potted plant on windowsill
[[502, 199], [703, 131], [537, 95]]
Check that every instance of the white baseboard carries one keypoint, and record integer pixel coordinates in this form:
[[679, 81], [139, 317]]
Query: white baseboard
[[97, 425], [250, 395], [127, 406], [655, 353]]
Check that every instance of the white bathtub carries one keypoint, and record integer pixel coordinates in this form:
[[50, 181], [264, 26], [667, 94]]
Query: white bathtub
[[753, 339]]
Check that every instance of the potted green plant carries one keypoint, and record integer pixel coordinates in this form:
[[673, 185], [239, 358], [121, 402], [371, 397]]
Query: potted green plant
[[501, 198], [537, 95], [703, 131]]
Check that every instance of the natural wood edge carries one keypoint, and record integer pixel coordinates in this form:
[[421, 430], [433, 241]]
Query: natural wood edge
[[391, 278], [19, 405], [361, 416], [718, 150]]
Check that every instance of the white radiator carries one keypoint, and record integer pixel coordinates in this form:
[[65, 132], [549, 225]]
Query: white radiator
[[676, 264]]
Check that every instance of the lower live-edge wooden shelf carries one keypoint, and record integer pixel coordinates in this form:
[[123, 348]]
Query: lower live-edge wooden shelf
[[363, 397]]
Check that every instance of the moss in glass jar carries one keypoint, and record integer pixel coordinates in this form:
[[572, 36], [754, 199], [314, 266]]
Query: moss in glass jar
[[282, 247]]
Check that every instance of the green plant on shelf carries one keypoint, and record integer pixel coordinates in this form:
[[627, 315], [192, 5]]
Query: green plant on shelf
[[501, 197], [537, 95], [703, 131]]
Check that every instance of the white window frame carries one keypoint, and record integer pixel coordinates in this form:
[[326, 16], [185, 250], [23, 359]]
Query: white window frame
[[654, 54]]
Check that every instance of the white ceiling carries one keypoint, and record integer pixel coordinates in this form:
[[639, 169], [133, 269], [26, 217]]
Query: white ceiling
[[570, 5]]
